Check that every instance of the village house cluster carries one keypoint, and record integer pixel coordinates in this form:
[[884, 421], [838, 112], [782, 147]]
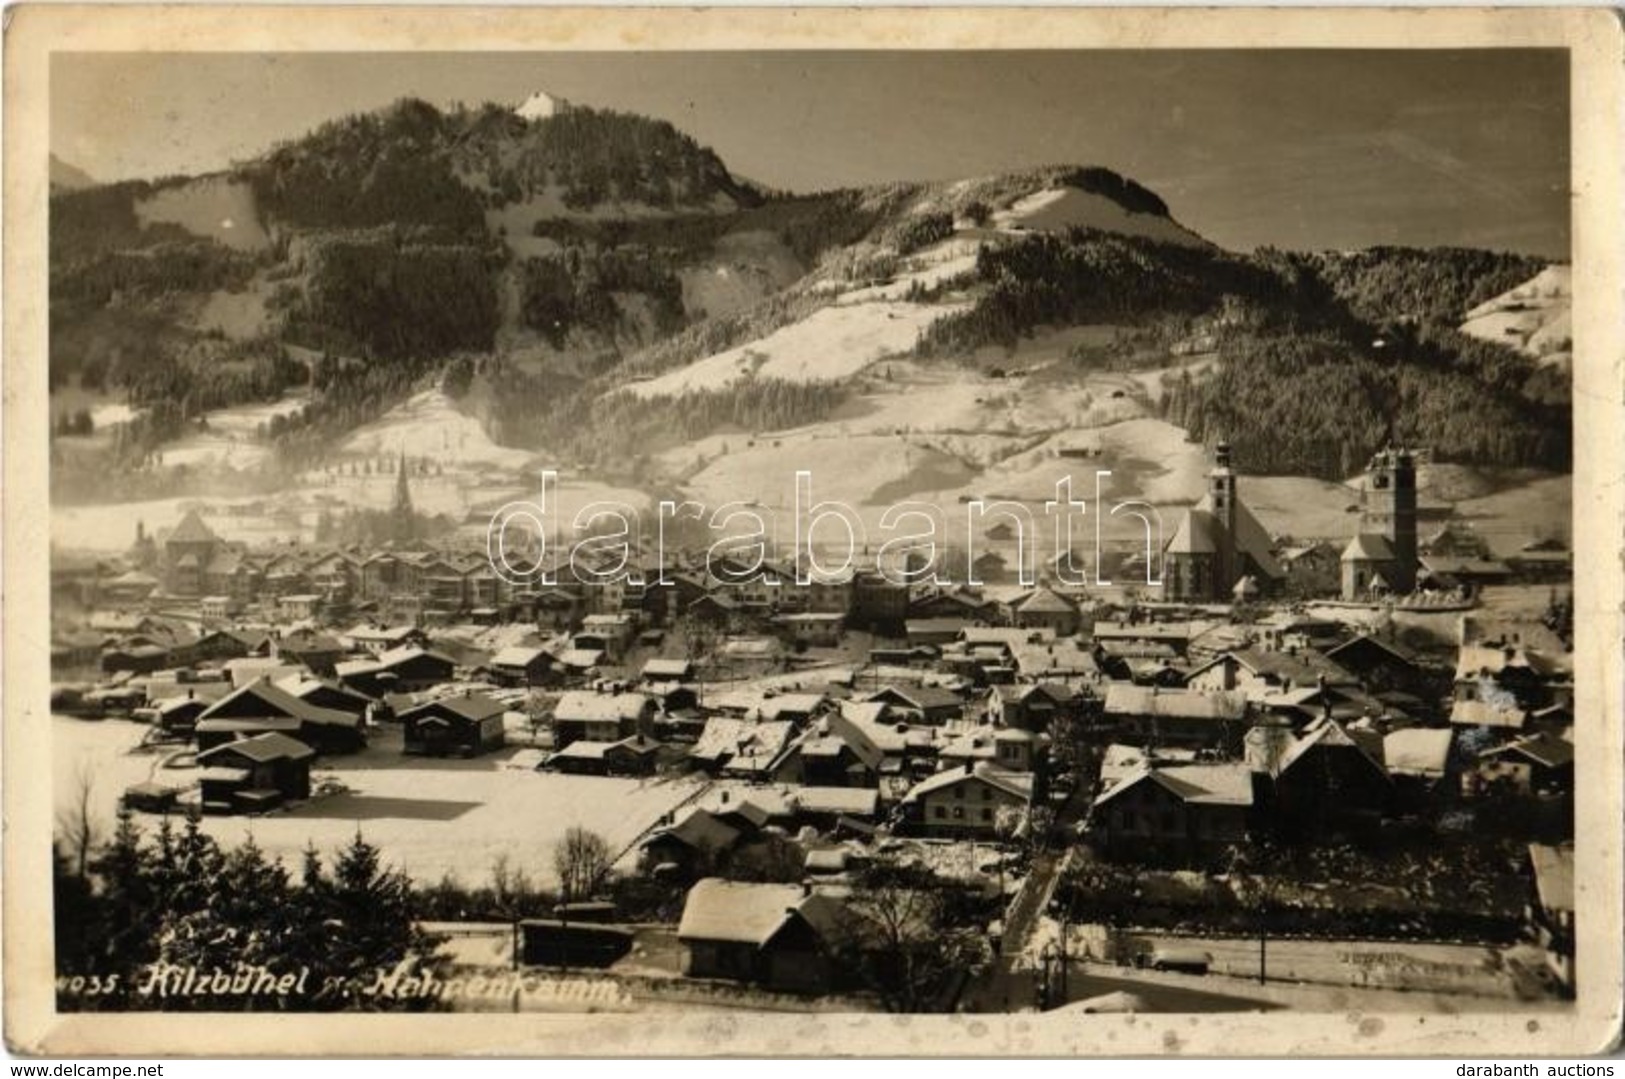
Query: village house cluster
[[831, 721]]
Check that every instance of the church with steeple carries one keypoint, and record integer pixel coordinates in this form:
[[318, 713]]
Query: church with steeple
[[1381, 559], [1219, 552], [403, 523]]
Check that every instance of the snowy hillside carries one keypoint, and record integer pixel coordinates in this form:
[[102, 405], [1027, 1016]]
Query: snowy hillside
[[1534, 318]]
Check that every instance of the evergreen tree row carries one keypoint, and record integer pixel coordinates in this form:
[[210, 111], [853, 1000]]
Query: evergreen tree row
[[138, 913]]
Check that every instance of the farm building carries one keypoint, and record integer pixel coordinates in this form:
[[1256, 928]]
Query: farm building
[[634, 756], [254, 774], [399, 670], [668, 670], [814, 629], [687, 848], [324, 693], [1331, 777], [520, 666], [925, 704], [317, 651], [380, 639], [583, 715], [742, 748], [454, 726], [773, 935], [176, 715], [1144, 715], [1186, 813], [262, 708], [1538, 764]]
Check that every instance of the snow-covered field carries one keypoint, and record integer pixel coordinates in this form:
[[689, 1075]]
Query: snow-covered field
[[1062, 208], [430, 425], [1534, 318], [111, 526], [429, 818], [114, 412], [832, 344], [233, 436]]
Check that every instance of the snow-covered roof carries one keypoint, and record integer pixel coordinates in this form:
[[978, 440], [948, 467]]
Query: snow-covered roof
[[1417, 751], [1477, 713], [1123, 698], [587, 706], [742, 913], [1368, 547], [1197, 784], [1554, 875], [517, 656], [1017, 784]]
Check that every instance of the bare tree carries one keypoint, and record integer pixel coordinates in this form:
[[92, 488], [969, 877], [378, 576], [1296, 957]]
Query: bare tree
[[582, 861], [1253, 872], [511, 889], [76, 823], [897, 939]]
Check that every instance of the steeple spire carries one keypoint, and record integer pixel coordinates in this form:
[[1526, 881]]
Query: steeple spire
[[403, 519]]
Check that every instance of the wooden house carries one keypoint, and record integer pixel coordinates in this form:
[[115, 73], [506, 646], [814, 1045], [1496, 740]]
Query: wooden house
[[583, 715], [464, 726], [400, 670], [965, 802], [634, 756], [316, 651], [325, 693], [813, 629], [252, 775], [690, 844], [1044, 608], [926, 704], [261, 707], [1418, 762], [664, 671], [1550, 909], [1330, 779], [1540, 764], [1029, 706], [831, 754], [520, 665], [1190, 814], [777, 936], [1151, 715], [175, 715]]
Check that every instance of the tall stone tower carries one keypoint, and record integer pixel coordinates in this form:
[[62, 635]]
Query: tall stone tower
[[1391, 511], [1221, 488]]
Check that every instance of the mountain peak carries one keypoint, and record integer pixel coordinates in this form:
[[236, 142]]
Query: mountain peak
[[541, 105], [65, 177]]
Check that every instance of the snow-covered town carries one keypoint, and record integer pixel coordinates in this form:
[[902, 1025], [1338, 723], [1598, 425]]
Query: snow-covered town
[[506, 554], [1248, 789]]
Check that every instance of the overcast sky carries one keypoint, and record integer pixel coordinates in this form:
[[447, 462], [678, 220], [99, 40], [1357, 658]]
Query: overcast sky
[[1301, 149]]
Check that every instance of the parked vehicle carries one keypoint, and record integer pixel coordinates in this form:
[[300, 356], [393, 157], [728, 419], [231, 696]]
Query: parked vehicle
[[1180, 960]]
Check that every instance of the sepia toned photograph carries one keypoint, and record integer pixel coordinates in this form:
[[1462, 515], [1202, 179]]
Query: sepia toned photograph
[[779, 531]]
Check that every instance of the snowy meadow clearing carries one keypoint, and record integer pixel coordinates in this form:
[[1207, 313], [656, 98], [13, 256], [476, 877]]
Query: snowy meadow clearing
[[430, 817]]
